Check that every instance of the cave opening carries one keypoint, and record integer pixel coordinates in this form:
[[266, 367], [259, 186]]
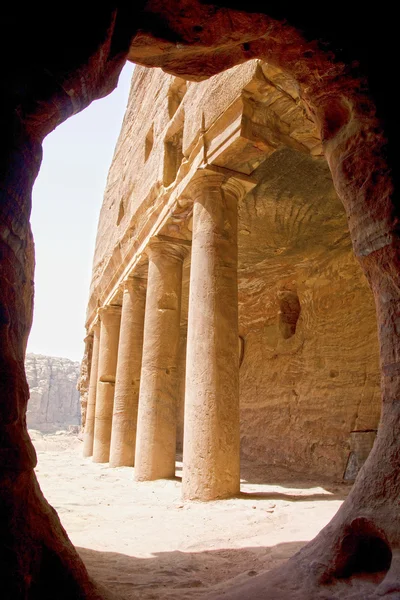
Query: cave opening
[[337, 115], [293, 246], [364, 550], [289, 313]]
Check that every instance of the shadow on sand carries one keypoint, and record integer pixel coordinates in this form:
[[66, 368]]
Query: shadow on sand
[[259, 474], [180, 575]]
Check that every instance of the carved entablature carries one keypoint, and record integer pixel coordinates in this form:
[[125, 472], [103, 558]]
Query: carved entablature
[[234, 121]]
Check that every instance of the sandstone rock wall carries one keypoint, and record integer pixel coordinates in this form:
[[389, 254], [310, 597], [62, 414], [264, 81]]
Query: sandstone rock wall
[[307, 379], [54, 399]]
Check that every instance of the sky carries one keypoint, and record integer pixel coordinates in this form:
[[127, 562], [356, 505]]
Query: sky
[[67, 197]]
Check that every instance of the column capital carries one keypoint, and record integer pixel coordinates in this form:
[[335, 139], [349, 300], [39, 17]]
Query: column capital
[[238, 187], [212, 176], [89, 336], [134, 282], [162, 245], [108, 310], [95, 327]]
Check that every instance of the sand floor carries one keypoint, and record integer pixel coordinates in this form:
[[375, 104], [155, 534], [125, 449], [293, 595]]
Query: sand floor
[[140, 541]]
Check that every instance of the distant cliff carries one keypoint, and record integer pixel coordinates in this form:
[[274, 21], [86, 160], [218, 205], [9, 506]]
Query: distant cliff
[[54, 400]]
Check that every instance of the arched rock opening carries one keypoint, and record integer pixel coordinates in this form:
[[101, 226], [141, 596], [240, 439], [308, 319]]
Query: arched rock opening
[[363, 550], [41, 88]]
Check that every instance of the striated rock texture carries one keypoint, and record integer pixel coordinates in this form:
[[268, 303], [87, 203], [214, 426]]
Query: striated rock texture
[[54, 401], [342, 60], [309, 375]]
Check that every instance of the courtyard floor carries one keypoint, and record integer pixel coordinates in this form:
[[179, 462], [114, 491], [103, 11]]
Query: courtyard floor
[[139, 540]]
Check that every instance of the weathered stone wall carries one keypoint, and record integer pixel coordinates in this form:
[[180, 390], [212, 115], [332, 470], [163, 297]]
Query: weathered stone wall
[[305, 388], [54, 399], [307, 380]]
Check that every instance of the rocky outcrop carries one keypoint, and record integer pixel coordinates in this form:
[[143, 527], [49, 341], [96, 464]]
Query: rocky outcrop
[[54, 398]]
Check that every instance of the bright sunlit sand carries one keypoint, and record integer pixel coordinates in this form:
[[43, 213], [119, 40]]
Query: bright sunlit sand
[[139, 540]]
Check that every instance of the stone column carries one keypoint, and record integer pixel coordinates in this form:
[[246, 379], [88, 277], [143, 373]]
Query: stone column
[[211, 462], [156, 430], [126, 397], [109, 333], [84, 377], [91, 404], [181, 382]]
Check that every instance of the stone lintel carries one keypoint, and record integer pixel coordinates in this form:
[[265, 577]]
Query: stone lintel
[[174, 240], [135, 277], [232, 142], [166, 244]]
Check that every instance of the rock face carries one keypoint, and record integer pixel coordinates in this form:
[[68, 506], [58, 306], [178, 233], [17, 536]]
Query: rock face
[[310, 373], [54, 401]]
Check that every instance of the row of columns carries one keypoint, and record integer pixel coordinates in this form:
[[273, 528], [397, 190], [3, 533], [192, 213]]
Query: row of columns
[[132, 405]]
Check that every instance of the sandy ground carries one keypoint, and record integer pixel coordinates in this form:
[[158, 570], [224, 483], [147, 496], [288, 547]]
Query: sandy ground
[[140, 541]]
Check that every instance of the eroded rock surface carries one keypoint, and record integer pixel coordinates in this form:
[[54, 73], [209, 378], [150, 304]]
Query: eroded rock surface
[[54, 401], [310, 372]]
